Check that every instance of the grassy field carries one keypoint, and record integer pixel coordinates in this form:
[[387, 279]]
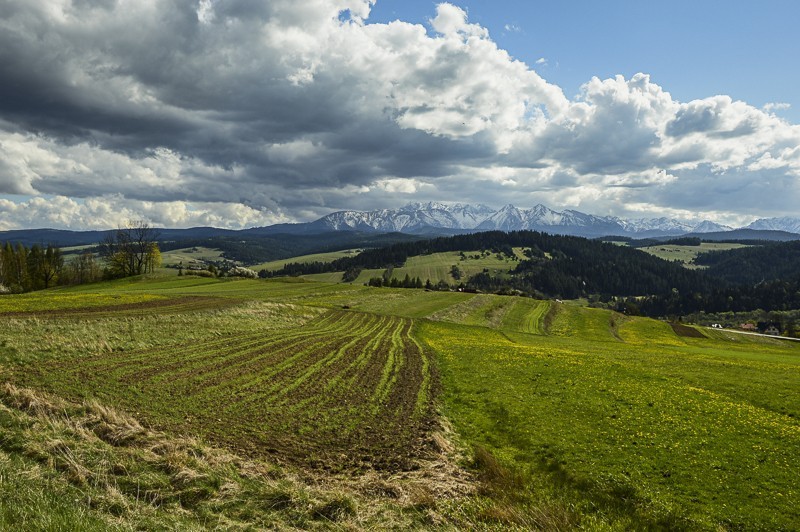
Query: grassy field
[[437, 266], [434, 267], [194, 403], [316, 257], [687, 254]]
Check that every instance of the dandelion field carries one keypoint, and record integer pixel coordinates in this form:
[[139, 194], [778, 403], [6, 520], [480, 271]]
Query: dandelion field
[[653, 431], [410, 409]]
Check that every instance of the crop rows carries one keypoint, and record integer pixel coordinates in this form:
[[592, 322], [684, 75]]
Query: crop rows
[[345, 390], [527, 316]]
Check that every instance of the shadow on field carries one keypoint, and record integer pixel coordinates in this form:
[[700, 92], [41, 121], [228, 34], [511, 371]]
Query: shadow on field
[[516, 503]]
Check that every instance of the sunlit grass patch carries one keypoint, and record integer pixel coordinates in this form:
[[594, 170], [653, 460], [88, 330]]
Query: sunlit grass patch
[[643, 432], [59, 300], [587, 324], [527, 316]]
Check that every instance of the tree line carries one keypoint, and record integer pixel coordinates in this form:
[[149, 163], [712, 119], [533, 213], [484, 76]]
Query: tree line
[[23, 269], [130, 250]]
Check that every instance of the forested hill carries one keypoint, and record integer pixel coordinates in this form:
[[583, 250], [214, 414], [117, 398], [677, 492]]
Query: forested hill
[[562, 266], [571, 267], [767, 262]]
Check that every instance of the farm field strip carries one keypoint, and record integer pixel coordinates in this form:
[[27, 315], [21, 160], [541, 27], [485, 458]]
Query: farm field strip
[[232, 359], [143, 365], [149, 361], [490, 312], [147, 307], [230, 367], [394, 362], [687, 254], [336, 390], [358, 382], [303, 259], [424, 394], [437, 266], [526, 316], [391, 301], [360, 362], [585, 324], [32, 303], [253, 385], [354, 344], [457, 312]]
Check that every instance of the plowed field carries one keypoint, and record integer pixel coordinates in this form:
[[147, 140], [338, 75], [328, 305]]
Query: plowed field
[[343, 390]]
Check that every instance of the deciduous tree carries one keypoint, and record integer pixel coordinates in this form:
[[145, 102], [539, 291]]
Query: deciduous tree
[[131, 250]]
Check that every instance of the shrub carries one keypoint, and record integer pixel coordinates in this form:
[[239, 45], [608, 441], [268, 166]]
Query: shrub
[[239, 271], [199, 273]]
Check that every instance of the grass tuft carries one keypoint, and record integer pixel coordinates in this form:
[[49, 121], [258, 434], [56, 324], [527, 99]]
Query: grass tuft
[[335, 509]]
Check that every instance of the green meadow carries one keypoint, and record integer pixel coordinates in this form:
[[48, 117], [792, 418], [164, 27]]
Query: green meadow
[[315, 257], [434, 267], [687, 254], [194, 403]]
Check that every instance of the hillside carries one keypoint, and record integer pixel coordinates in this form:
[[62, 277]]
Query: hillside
[[572, 267], [687, 254], [169, 402], [777, 261]]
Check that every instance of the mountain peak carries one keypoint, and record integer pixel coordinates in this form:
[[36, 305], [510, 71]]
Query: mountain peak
[[707, 226], [790, 224]]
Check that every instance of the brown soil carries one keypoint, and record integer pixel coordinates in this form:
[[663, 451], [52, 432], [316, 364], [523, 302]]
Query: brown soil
[[684, 330]]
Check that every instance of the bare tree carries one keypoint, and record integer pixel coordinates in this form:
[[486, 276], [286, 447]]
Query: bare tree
[[131, 250]]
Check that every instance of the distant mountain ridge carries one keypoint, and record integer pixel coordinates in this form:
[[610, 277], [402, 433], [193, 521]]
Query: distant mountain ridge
[[786, 223], [423, 217], [441, 218]]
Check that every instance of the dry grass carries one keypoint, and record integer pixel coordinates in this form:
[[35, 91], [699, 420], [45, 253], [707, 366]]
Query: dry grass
[[132, 476]]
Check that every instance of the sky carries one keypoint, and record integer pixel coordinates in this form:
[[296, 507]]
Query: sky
[[241, 113]]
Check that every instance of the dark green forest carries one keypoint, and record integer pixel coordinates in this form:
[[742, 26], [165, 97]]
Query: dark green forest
[[763, 277]]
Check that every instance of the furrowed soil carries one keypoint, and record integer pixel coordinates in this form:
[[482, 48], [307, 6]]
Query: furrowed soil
[[344, 391]]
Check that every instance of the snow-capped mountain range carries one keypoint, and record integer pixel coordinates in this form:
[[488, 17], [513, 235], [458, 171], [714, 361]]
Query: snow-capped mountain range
[[458, 217], [787, 223]]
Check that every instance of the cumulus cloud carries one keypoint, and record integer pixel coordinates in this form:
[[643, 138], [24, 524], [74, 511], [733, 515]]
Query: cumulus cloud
[[776, 106], [114, 211], [401, 185], [190, 112]]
